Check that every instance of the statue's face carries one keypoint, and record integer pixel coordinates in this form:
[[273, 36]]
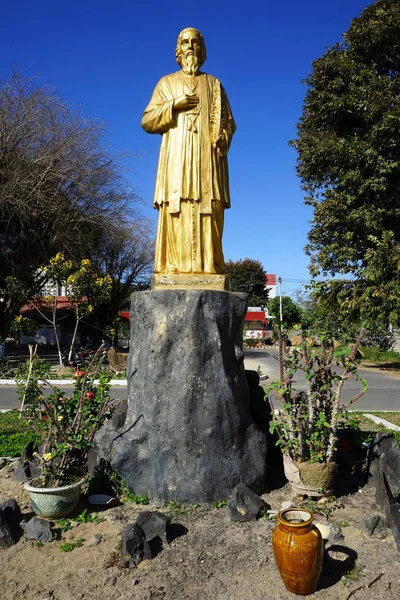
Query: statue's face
[[190, 44]]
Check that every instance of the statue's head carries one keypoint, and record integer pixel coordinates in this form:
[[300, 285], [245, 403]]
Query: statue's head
[[190, 50]]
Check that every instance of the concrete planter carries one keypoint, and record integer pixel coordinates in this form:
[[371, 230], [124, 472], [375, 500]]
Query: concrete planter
[[311, 479], [54, 503]]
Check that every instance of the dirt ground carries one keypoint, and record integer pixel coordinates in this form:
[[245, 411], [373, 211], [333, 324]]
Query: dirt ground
[[210, 557]]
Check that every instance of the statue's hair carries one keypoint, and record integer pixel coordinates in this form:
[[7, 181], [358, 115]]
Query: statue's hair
[[178, 54]]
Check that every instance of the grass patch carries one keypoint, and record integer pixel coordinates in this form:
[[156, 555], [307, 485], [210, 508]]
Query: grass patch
[[373, 354], [15, 434], [366, 424], [392, 417]]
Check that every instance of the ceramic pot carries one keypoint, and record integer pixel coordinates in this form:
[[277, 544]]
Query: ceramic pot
[[298, 550], [53, 503], [311, 479]]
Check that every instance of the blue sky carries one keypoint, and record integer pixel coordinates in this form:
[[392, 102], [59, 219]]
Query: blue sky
[[108, 56]]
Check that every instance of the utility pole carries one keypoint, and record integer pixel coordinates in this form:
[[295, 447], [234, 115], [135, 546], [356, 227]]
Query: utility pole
[[280, 299]]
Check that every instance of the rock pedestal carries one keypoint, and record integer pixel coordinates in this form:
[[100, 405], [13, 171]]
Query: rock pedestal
[[188, 434]]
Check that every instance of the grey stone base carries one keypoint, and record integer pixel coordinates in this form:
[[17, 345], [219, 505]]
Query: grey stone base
[[188, 434]]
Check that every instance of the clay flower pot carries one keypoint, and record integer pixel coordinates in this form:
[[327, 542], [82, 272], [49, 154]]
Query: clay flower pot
[[298, 550], [54, 503], [311, 479]]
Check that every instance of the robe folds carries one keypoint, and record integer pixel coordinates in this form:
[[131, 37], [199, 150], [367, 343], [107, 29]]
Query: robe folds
[[192, 185]]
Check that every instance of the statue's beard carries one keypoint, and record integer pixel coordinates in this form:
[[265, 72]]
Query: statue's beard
[[190, 64]]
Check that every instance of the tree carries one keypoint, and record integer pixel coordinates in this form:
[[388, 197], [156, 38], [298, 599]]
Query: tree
[[248, 275], [291, 312], [127, 255], [348, 148], [60, 186]]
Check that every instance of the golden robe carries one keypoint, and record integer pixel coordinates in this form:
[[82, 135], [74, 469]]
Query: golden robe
[[192, 186]]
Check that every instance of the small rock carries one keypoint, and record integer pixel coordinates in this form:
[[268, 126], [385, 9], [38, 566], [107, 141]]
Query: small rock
[[328, 530], [245, 505], [95, 540], [135, 548], [115, 515], [28, 467], [373, 525], [12, 512], [38, 529], [7, 536], [154, 524], [322, 501]]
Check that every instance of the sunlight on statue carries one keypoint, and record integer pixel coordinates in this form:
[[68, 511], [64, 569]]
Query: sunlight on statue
[[191, 111]]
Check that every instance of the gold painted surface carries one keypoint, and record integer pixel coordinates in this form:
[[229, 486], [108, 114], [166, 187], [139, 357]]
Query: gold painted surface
[[189, 281], [191, 111]]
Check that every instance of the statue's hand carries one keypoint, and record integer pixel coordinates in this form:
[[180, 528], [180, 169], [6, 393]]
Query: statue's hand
[[222, 144], [186, 102]]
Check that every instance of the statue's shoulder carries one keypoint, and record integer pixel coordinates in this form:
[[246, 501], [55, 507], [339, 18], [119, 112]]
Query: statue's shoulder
[[168, 80], [171, 77]]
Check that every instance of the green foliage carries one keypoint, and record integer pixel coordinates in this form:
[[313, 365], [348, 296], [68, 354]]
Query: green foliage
[[353, 574], [381, 356], [23, 325], [13, 444], [69, 546], [84, 517], [64, 525], [129, 496], [67, 424], [219, 503], [105, 480], [39, 544], [15, 434], [291, 312], [348, 147], [307, 423], [248, 275], [176, 509]]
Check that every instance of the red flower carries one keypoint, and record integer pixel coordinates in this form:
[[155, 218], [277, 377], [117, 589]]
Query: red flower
[[90, 395], [45, 418]]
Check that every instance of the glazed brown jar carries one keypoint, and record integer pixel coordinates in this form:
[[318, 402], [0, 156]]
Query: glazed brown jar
[[298, 550]]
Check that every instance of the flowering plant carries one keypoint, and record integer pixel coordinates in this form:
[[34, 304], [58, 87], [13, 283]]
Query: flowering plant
[[306, 424], [67, 424]]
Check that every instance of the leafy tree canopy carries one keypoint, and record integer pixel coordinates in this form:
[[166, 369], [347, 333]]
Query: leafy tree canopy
[[348, 148], [248, 275], [291, 312]]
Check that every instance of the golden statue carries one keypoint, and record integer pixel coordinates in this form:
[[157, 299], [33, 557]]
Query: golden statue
[[191, 111]]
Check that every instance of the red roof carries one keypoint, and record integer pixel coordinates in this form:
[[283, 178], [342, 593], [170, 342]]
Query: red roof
[[270, 279], [255, 316], [124, 314]]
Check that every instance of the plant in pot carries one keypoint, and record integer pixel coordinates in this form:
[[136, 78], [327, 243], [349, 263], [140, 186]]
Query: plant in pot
[[306, 423], [67, 425]]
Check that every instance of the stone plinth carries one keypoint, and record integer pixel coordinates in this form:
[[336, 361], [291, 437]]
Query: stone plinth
[[188, 434]]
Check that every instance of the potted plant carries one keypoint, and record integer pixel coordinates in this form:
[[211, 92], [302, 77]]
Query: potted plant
[[67, 425], [306, 424]]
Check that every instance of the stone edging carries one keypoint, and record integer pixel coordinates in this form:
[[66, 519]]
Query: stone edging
[[381, 421]]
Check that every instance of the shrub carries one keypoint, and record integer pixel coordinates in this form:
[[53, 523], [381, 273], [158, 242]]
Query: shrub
[[14, 434]]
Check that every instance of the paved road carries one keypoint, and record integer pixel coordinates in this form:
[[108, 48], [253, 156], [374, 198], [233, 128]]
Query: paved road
[[383, 390]]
